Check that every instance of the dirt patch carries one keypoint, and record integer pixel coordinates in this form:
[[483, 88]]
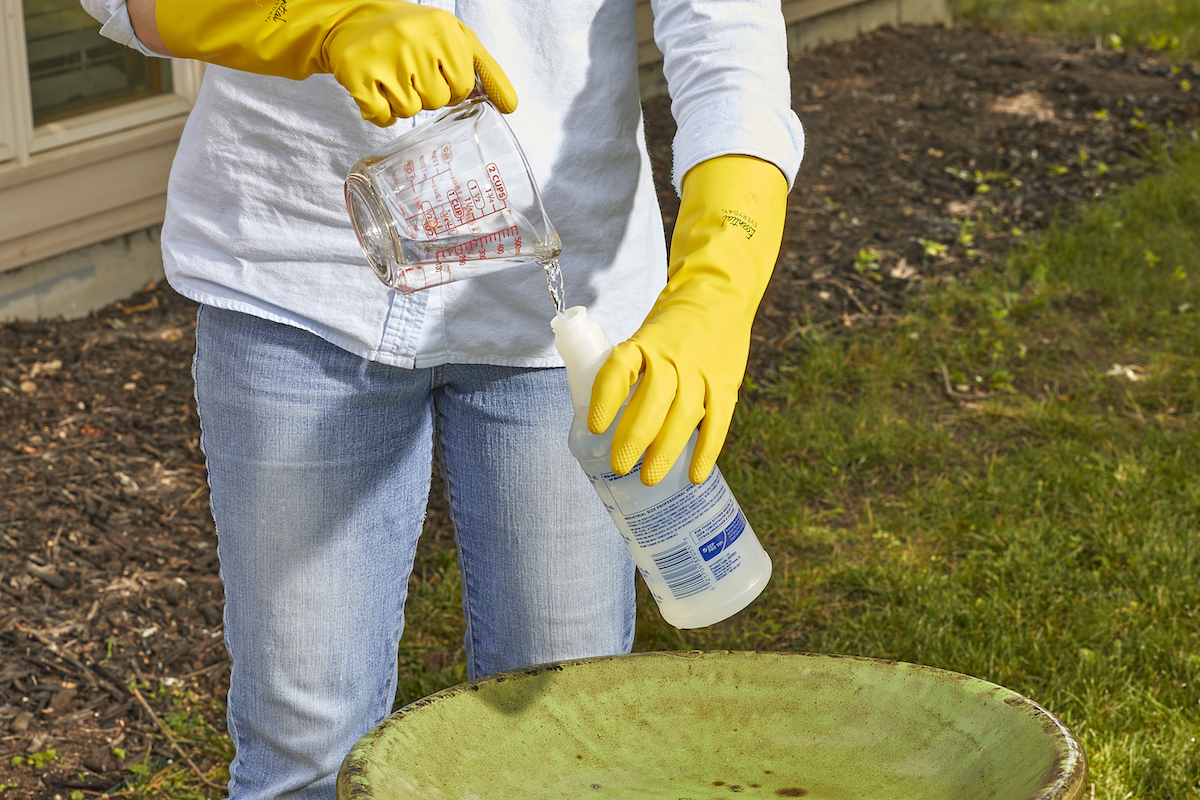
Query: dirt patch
[[927, 147]]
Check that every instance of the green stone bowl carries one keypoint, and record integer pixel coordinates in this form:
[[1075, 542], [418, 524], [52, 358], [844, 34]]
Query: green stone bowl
[[703, 725]]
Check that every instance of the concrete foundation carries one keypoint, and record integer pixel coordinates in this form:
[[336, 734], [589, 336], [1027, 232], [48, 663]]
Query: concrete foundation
[[844, 24], [74, 284]]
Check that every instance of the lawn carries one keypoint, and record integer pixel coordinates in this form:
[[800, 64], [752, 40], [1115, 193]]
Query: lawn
[[1171, 27]]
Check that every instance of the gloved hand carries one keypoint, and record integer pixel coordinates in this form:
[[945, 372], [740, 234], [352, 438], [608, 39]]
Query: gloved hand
[[691, 350], [394, 58]]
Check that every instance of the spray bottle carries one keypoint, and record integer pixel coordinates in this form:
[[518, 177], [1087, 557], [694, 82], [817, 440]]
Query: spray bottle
[[692, 543]]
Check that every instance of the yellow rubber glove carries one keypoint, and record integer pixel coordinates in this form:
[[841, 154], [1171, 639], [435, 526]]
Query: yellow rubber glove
[[394, 58], [691, 351]]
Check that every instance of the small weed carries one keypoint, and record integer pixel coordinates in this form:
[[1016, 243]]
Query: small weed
[[1162, 42], [983, 181], [36, 760], [1001, 380], [966, 237], [931, 248], [866, 263]]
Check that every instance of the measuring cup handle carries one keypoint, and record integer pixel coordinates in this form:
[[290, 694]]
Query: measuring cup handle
[[491, 80], [478, 93]]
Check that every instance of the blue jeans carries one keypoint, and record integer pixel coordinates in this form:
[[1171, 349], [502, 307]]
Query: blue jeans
[[319, 465]]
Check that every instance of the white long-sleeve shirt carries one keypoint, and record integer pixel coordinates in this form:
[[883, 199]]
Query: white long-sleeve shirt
[[256, 219]]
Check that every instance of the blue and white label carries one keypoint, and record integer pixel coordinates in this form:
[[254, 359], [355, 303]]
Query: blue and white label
[[725, 539]]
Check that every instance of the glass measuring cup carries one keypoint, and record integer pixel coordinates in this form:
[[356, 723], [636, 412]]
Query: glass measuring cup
[[450, 199]]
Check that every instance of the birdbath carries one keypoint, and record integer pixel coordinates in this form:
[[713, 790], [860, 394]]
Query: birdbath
[[706, 725]]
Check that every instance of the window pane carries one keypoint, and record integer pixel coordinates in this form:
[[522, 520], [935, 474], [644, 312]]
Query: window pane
[[73, 69]]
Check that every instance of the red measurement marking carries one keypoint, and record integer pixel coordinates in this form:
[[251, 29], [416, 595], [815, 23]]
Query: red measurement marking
[[477, 247], [494, 173], [429, 218]]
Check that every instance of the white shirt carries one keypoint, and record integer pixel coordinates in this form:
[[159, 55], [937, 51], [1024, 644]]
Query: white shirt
[[256, 218]]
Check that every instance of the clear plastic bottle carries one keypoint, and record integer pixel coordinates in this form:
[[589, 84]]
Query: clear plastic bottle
[[697, 553]]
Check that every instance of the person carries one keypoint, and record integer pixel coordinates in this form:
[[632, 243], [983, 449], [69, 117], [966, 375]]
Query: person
[[322, 393]]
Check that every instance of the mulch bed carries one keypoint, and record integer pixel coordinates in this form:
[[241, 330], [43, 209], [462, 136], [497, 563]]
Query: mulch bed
[[108, 569]]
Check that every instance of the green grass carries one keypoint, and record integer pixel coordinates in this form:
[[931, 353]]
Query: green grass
[[1169, 26], [196, 729]]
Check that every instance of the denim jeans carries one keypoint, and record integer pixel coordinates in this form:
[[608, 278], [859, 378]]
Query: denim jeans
[[319, 465]]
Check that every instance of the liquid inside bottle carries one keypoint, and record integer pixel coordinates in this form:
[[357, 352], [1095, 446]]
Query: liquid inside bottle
[[692, 543]]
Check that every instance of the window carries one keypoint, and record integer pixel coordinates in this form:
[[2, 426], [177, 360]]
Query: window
[[61, 82], [73, 70]]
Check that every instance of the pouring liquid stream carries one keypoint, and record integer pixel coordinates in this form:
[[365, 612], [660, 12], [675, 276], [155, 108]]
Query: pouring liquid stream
[[554, 282]]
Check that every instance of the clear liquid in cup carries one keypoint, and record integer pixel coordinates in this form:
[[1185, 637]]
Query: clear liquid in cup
[[450, 199]]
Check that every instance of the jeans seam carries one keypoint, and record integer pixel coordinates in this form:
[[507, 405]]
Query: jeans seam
[[230, 717], [437, 378]]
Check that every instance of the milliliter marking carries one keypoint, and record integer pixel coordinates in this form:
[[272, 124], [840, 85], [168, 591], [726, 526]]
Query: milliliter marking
[[478, 247]]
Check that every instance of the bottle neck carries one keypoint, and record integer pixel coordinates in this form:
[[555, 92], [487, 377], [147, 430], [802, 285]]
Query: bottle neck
[[581, 377], [584, 349]]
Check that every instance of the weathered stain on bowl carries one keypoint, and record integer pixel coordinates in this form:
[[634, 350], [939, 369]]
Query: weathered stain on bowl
[[704, 725]]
